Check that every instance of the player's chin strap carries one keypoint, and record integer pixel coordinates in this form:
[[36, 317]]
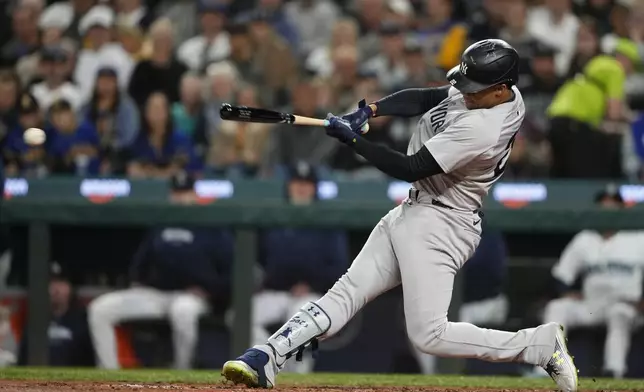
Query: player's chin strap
[[300, 332]]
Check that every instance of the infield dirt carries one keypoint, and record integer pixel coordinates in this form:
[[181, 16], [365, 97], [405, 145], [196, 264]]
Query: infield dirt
[[59, 386]]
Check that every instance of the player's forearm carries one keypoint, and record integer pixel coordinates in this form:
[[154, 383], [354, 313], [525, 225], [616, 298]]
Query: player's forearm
[[410, 102], [408, 168]]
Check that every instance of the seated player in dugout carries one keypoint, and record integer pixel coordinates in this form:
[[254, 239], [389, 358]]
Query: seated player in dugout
[[588, 114], [600, 279], [178, 273], [68, 334], [299, 264]]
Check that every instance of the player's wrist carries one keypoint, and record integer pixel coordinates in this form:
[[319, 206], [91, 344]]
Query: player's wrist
[[372, 109]]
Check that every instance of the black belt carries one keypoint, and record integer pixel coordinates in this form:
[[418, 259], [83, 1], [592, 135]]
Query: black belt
[[413, 194]]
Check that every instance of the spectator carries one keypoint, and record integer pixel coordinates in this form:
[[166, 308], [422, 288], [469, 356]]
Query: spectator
[[298, 264], [55, 85], [287, 145], [187, 113], [443, 38], [222, 79], [273, 58], [160, 150], [484, 302], [597, 10], [19, 157], [133, 42], [133, 13], [619, 21], [53, 23], [213, 44], [586, 48], [9, 93], [599, 285], [73, 147], [370, 15], [242, 53], [401, 12], [162, 71], [68, 334], [554, 24], [273, 12], [116, 119], [183, 15], [313, 21], [179, 274], [344, 32], [343, 79], [488, 20], [95, 27], [417, 71], [515, 33], [583, 115], [25, 38], [389, 65], [238, 148], [69, 15], [542, 85]]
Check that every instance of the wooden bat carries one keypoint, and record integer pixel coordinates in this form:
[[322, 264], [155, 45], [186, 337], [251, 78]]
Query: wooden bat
[[258, 115]]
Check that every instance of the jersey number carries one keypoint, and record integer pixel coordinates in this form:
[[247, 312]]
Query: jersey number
[[500, 167]]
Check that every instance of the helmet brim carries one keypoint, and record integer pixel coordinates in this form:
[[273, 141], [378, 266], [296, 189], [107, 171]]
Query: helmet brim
[[463, 84]]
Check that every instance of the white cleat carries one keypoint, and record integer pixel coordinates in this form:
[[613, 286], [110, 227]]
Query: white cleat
[[561, 366]]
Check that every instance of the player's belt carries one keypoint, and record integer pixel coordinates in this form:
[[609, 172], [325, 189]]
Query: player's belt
[[413, 195]]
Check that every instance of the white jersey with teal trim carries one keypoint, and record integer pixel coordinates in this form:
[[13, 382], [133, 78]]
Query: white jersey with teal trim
[[471, 146]]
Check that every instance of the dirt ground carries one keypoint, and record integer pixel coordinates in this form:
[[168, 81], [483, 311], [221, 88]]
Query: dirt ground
[[58, 386]]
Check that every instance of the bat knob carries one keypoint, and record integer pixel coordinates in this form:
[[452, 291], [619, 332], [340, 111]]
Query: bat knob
[[225, 111]]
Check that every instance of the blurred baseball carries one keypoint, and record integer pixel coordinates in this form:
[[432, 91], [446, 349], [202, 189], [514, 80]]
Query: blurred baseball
[[365, 128], [34, 136]]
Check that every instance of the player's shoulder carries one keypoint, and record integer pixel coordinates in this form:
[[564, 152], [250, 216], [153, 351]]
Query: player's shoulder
[[585, 237]]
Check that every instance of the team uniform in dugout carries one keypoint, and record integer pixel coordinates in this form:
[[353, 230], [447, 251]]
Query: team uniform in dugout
[[579, 147]]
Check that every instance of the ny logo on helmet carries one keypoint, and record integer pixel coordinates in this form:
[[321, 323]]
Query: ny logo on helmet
[[464, 68]]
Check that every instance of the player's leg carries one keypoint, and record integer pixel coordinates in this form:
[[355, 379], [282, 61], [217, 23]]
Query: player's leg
[[571, 313], [491, 311], [429, 260], [184, 313], [269, 307], [373, 272], [108, 310], [306, 364], [620, 321]]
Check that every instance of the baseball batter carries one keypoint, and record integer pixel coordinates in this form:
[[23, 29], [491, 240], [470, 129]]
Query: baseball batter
[[458, 151]]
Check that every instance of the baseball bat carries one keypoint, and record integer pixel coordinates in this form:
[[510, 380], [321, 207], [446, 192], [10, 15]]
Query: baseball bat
[[257, 115]]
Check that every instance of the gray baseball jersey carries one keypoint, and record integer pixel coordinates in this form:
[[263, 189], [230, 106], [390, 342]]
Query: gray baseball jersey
[[471, 146]]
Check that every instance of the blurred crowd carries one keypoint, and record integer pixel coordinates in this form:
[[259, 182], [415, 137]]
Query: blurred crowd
[[133, 87]]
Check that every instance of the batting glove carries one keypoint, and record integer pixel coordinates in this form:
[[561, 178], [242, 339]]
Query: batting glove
[[340, 129], [358, 118]]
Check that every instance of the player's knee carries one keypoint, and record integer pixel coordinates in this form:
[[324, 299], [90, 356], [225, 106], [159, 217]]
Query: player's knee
[[426, 337], [102, 310], [622, 312], [556, 310], [185, 310]]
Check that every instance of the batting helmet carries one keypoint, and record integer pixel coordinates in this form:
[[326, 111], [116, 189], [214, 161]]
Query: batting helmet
[[485, 64]]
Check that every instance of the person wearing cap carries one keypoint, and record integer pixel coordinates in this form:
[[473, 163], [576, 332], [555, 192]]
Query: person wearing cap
[[587, 115], [417, 71], [179, 273], [443, 37], [68, 333], [162, 70], [73, 148], [96, 29], [213, 43], [389, 64], [53, 69], [21, 158], [116, 119], [67, 15], [600, 282], [273, 13], [297, 264]]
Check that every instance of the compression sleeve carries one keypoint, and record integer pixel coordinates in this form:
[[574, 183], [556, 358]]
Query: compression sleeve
[[411, 102], [408, 168]]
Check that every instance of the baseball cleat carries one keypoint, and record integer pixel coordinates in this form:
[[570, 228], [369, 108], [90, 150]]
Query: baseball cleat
[[253, 369], [561, 366]]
